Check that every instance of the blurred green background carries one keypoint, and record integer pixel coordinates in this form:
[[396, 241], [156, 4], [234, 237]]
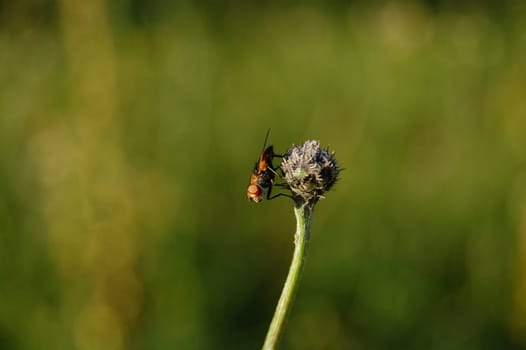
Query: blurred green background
[[129, 128]]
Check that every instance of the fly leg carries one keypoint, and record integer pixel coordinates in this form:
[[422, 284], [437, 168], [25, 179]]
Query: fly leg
[[269, 197], [281, 194], [269, 190]]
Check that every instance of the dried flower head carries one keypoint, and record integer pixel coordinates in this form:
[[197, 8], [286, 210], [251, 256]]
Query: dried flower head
[[309, 171]]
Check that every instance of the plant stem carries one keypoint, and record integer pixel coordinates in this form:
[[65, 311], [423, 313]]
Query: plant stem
[[303, 212]]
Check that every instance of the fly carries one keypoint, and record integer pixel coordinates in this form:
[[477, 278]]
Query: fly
[[263, 176]]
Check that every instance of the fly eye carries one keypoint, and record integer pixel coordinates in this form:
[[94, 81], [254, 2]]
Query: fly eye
[[253, 189]]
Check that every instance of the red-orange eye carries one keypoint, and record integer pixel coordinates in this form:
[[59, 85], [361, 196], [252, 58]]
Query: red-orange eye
[[253, 189]]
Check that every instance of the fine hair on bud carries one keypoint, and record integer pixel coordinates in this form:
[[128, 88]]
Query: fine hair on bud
[[309, 171]]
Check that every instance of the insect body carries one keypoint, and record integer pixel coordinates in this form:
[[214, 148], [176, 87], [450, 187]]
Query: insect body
[[262, 177]]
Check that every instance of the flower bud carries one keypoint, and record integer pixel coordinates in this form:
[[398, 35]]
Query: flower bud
[[309, 171]]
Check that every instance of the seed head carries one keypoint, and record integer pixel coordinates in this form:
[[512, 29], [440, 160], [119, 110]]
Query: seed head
[[309, 171]]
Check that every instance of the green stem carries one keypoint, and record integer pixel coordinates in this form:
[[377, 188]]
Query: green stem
[[303, 212]]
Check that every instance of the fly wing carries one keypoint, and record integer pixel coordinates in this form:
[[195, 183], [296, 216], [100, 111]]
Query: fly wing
[[265, 160]]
